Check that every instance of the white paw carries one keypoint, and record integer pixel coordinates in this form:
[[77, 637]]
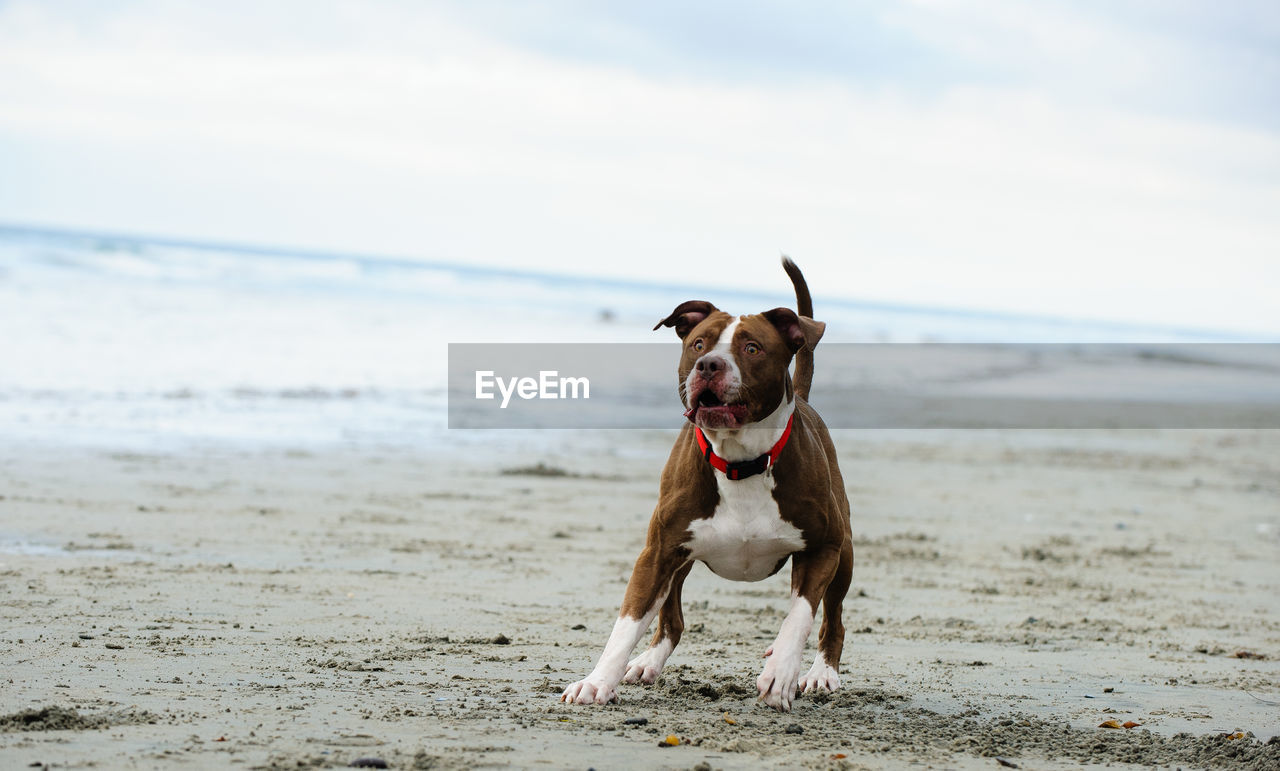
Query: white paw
[[646, 667], [777, 683], [590, 690], [822, 676]]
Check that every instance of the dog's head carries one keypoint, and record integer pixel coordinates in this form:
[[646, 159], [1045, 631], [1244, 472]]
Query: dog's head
[[735, 370]]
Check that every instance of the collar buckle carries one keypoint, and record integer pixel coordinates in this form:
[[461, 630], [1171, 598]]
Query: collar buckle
[[738, 470]]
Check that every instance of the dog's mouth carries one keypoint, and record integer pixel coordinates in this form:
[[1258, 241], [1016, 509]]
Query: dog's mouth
[[710, 411], [709, 399]]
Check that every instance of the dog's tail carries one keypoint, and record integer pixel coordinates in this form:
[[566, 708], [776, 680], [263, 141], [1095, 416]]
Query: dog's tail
[[804, 306]]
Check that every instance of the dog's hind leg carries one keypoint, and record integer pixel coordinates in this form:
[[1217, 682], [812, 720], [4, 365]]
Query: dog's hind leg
[[646, 667], [825, 671], [647, 591]]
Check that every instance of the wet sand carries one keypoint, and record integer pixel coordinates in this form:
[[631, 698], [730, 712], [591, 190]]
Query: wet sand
[[285, 607]]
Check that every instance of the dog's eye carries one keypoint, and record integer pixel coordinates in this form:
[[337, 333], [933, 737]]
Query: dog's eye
[[752, 349], [697, 344]]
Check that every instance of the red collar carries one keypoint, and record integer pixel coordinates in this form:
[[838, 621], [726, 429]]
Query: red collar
[[742, 469]]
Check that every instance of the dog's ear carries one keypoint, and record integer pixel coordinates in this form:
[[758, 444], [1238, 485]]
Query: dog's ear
[[687, 315], [798, 331]]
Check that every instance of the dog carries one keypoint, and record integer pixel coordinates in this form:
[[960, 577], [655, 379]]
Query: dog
[[751, 482]]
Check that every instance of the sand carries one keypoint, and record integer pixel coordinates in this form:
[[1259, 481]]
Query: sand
[[276, 606]]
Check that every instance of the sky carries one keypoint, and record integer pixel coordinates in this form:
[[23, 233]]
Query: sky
[[1104, 159]]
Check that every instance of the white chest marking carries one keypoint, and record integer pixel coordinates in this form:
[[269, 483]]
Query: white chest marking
[[746, 537]]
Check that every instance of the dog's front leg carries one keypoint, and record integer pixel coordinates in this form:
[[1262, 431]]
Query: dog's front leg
[[810, 575], [646, 591]]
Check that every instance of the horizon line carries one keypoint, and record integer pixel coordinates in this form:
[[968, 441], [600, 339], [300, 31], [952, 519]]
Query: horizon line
[[904, 308]]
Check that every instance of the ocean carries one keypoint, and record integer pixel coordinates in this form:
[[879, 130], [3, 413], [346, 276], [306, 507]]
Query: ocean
[[121, 340]]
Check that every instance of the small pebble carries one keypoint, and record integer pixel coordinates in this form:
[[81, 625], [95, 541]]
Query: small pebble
[[368, 763], [636, 721], [795, 728]]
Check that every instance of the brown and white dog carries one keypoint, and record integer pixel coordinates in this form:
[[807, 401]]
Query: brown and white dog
[[752, 481]]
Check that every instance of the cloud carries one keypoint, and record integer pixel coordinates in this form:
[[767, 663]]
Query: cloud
[[441, 132]]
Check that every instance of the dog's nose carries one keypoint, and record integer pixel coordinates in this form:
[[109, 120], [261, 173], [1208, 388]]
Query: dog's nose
[[709, 365]]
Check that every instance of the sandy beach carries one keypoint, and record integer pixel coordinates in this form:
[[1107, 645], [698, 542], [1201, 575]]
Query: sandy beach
[[276, 606], [342, 347]]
